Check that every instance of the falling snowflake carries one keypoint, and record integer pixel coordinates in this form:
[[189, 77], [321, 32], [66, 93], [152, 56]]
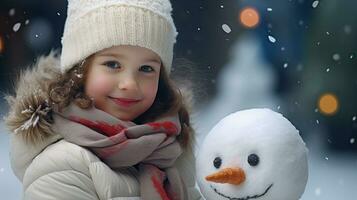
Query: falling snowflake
[[317, 121], [12, 12], [336, 57], [278, 107], [271, 39], [16, 27], [269, 9], [315, 4], [316, 110], [199, 28], [354, 118], [347, 29], [327, 33], [58, 13], [36, 35], [318, 191], [286, 65], [226, 28], [352, 56], [27, 21], [326, 158], [328, 70], [352, 140], [222, 6]]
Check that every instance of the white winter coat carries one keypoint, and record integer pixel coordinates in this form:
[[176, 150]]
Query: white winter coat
[[56, 169]]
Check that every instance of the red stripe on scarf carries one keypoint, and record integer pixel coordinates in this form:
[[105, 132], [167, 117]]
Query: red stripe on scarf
[[168, 126], [159, 188], [108, 151], [99, 126]]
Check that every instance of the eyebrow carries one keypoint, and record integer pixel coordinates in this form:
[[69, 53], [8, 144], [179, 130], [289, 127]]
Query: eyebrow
[[123, 56]]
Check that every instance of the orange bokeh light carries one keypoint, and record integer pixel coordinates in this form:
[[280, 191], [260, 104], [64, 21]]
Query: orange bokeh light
[[328, 104], [249, 17], [2, 45]]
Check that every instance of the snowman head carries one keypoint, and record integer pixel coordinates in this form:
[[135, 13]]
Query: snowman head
[[253, 154]]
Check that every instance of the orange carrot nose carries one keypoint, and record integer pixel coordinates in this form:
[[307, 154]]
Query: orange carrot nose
[[233, 176]]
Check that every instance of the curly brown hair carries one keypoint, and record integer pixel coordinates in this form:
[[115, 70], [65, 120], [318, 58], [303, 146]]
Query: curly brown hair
[[169, 99]]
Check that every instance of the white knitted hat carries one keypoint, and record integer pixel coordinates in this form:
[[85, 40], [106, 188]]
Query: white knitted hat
[[94, 25]]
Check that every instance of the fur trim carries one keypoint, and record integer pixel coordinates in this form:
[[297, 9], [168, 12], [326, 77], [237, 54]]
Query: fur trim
[[29, 110]]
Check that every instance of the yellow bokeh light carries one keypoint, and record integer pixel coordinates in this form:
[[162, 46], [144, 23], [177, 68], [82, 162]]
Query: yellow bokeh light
[[249, 17], [328, 104]]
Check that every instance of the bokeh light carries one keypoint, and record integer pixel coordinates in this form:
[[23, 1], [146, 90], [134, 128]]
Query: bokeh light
[[249, 17], [2, 44], [328, 104]]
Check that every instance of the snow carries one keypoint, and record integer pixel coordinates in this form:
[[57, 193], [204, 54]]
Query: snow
[[27, 21], [315, 4], [271, 39], [347, 29], [327, 180], [352, 140], [247, 130], [318, 191], [269, 9], [58, 13], [16, 27], [286, 65], [12, 12], [226, 28], [336, 57], [328, 69]]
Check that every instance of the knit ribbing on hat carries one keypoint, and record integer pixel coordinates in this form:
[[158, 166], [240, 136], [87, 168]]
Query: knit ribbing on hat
[[113, 25]]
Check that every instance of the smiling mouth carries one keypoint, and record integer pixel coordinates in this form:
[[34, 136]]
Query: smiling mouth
[[242, 198]]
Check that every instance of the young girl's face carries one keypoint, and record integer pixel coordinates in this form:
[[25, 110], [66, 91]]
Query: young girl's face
[[123, 80]]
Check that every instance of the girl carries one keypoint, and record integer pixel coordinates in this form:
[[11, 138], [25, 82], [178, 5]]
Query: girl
[[104, 122]]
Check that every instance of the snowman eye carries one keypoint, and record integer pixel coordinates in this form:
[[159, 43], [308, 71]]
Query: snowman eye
[[253, 159], [217, 162]]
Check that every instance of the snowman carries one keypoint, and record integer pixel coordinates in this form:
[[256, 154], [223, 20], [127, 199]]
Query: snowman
[[252, 154]]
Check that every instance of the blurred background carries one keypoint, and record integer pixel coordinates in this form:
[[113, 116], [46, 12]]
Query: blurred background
[[297, 57]]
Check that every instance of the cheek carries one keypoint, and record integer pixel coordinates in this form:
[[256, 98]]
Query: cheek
[[98, 85], [150, 91]]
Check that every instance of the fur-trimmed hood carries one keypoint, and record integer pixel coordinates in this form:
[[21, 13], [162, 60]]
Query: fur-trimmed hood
[[29, 118]]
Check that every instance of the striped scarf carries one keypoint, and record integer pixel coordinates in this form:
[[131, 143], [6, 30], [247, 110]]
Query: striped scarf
[[152, 147]]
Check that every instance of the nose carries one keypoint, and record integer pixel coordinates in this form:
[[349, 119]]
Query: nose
[[234, 176], [127, 82]]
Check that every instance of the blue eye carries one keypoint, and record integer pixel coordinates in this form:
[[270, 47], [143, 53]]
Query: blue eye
[[146, 68], [112, 64]]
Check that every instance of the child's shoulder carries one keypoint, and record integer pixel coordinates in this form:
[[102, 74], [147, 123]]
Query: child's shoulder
[[60, 157]]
